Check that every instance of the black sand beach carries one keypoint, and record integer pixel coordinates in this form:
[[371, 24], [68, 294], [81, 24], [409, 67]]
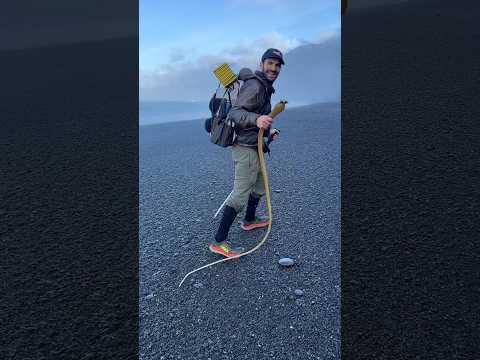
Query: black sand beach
[[69, 202], [244, 309], [410, 180]]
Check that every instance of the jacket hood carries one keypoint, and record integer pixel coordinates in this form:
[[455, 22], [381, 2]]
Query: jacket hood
[[246, 73]]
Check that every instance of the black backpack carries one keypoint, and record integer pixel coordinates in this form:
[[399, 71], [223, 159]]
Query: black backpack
[[221, 129]]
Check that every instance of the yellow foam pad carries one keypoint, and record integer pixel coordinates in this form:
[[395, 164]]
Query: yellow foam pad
[[225, 74]]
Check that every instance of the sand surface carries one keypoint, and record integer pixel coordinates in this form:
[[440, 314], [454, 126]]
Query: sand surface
[[244, 309]]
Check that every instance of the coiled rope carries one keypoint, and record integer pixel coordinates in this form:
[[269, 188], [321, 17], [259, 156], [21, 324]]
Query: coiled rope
[[279, 107]]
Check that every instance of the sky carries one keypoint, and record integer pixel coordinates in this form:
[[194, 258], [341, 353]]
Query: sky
[[191, 37]]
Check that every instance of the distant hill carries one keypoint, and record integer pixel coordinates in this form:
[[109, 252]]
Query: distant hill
[[311, 73]]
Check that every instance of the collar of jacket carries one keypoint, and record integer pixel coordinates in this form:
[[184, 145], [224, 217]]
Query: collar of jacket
[[268, 84]]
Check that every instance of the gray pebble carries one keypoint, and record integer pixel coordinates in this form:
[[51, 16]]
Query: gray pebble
[[286, 262], [149, 296], [299, 292], [198, 285]]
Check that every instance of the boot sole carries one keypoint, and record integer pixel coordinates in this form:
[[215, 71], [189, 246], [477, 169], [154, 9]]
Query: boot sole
[[254, 226], [221, 252]]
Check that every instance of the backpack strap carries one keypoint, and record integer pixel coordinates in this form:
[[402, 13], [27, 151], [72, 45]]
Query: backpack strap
[[229, 98], [221, 102]]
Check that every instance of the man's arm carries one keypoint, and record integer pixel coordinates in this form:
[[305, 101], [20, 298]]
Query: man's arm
[[242, 113]]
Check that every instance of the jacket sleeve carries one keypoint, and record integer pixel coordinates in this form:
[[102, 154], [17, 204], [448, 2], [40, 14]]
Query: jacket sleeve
[[248, 100], [266, 132]]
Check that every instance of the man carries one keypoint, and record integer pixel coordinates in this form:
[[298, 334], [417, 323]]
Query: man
[[249, 114]]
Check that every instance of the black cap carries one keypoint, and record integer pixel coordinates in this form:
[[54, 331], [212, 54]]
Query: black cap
[[273, 54]]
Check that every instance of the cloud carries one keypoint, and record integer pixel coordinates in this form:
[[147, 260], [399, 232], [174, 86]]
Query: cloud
[[281, 6], [326, 36], [255, 3], [249, 52], [177, 55], [184, 79], [188, 84], [192, 80]]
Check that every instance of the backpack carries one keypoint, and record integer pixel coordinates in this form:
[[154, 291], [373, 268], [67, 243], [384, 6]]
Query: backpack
[[220, 128]]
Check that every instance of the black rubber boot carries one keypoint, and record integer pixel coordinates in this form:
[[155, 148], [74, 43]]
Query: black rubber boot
[[251, 208], [229, 215]]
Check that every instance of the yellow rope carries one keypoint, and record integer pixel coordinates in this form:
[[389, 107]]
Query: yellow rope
[[279, 107]]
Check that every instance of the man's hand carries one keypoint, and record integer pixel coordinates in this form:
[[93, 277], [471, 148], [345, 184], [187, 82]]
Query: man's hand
[[274, 133], [264, 121]]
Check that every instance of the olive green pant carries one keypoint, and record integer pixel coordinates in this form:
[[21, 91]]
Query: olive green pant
[[248, 177]]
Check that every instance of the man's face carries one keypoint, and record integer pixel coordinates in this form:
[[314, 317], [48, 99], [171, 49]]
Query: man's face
[[271, 68]]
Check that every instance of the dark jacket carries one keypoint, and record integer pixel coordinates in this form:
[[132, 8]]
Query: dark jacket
[[253, 100]]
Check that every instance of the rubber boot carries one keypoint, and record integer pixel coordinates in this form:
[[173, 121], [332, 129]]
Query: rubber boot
[[251, 208], [228, 217]]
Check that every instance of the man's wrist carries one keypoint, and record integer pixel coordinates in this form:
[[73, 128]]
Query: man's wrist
[[256, 118]]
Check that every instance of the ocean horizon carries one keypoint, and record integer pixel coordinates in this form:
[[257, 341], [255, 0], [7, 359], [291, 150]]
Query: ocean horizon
[[160, 112]]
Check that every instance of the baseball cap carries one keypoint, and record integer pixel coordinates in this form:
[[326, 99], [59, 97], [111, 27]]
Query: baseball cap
[[273, 54]]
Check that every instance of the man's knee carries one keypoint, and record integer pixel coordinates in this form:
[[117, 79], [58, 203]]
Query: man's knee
[[238, 203], [259, 191], [257, 194], [240, 195]]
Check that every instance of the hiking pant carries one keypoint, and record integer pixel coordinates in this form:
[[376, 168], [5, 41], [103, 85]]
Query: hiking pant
[[248, 177]]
